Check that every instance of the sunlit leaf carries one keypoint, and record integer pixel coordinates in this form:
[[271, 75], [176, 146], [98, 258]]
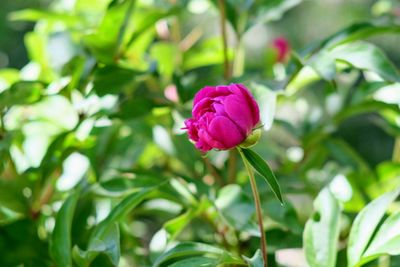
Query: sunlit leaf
[[321, 232], [365, 225]]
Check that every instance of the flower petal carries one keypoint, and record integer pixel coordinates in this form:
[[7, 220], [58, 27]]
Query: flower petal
[[239, 112], [224, 131], [251, 102]]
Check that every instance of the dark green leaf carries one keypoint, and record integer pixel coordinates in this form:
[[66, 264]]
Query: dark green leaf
[[192, 249], [108, 245], [112, 79], [264, 170], [358, 31], [60, 246]]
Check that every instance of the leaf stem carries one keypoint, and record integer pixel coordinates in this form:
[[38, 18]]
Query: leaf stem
[[257, 202]]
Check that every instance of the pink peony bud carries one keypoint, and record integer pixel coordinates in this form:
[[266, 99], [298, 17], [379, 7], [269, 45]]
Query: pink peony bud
[[282, 47], [223, 117]]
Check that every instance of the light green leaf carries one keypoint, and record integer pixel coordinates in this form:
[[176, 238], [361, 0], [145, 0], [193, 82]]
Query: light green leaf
[[324, 64], [366, 56], [60, 245], [21, 93], [387, 239], [177, 224], [266, 99], [256, 260], [264, 170], [364, 226], [51, 16], [232, 201], [322, 231], [166, 56], [274, 10]]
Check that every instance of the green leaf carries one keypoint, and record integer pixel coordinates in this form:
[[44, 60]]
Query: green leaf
[[60, 245], [21, 93], [322, 231], [324, 64], [123, 208], [365, 224], [108, 245], [193, 250], [387, 239], [51, 16], [356, 32], [231, 201], [274, 10], [135, 107], [177, 224], [103, 237], [256, 260], [195, 262], [207, 53], [166, 56], [112, 79], [366, 56], [264, 170]]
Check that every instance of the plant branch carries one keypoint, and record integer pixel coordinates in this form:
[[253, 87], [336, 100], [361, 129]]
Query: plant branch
[[123, 28], [257, 203], [211, 169], [396, 150], [232, 160], [227, 73]]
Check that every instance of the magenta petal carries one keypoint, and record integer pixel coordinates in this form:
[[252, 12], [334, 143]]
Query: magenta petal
[[209, 141], [239, 112], [203, 93], [201, 107], [192, 129], [225, 131], [251, 102]]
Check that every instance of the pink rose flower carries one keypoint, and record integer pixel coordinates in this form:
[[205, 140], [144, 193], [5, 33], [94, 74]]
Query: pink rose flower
[[282, 47], [223, 116]]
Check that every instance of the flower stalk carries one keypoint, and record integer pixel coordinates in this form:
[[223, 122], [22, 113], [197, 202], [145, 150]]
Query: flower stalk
[[257, 203]]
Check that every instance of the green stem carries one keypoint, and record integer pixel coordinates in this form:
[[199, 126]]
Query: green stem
[[123, 28], [396, 150], [257, 203], [232, 166], [227, 74]]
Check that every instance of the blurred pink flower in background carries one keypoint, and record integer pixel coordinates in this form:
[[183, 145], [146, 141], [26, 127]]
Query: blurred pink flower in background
[[282, 47], [171, 93]]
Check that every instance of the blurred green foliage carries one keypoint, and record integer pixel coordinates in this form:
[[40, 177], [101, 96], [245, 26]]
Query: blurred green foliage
[[96, 171]]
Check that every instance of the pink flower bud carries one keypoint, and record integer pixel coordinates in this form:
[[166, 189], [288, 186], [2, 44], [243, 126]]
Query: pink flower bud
[[223, 117], [282, 48]]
